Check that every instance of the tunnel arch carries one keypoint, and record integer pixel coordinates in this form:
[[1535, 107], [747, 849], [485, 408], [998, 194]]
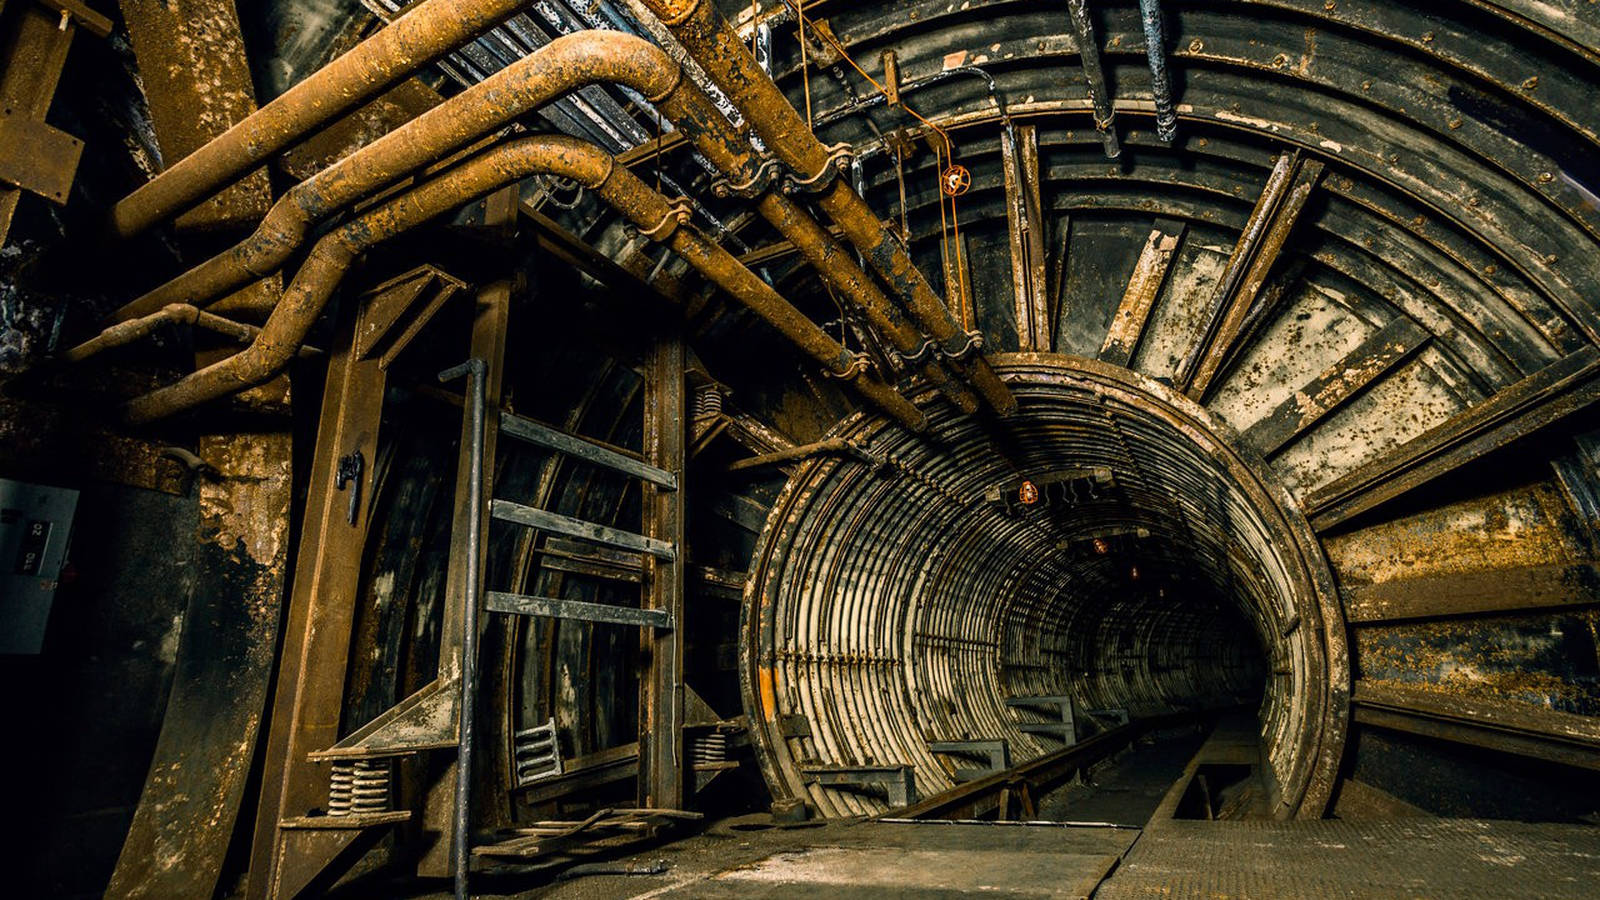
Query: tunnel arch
[[933, 601]]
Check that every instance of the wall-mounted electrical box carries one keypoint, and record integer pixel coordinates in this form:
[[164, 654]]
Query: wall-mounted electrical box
[[35, 523]]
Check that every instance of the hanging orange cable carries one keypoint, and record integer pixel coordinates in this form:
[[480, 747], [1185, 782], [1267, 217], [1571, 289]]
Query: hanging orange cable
[[945, 225]]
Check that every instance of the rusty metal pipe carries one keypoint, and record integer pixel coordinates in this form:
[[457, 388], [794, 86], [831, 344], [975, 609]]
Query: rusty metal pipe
[[806, 451], [176, 314], [567, 157], [713, 43], [567, 63], [423, 35]]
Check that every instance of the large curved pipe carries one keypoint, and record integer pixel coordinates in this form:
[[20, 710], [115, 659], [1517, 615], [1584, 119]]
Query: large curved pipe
[[508, 163], [423, 35], [713, 43], [567, 63]]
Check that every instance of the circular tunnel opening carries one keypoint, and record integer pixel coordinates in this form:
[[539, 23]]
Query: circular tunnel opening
[[1105, 553]]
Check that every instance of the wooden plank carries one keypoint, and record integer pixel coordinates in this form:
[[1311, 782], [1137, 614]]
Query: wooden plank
[[1547, 396], [1337, 384], [1507, 726], [661, 696], [1139, 298], [1474, 593], [1027, 228]]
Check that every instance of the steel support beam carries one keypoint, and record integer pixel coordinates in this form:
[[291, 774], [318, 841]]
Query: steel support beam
[[1549, 395], [1149, 274], [1482, 592], [1019, 153], [1507, 726], [1276, 211], [555, 608], [541, 435], [1337, 385], [661, 688]]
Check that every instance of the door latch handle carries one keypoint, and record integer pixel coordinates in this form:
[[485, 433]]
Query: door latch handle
[[349, 472]]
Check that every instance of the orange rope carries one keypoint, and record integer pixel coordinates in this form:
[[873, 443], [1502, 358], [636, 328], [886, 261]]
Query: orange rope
[[952, 253]]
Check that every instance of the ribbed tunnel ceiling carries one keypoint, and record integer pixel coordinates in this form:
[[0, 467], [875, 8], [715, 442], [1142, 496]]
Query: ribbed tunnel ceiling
[[1256, 365], [901, 604]]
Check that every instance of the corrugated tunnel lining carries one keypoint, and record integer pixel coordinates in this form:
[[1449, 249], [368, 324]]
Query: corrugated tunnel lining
[[893, 607]]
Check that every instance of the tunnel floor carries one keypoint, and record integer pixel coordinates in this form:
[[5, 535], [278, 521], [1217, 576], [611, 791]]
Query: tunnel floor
[[1454, 858]]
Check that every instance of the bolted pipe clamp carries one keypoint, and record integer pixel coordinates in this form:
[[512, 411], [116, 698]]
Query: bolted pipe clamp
[[859, 363], [839, 159], [678, 212], [758, 183]]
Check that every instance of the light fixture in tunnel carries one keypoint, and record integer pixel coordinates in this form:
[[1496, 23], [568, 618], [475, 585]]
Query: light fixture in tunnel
[[892, 609]]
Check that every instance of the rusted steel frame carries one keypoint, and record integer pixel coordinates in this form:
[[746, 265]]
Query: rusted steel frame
[[1549, 395], [423, 35], [36, 52], [661, 688], [316, 642], [969, 800], [1155, 48], [469, 556], [1094, 75], [1336, 385], [657, 218], [803, 451], [173, 313], [1149, 274], [1019, 156], [1279, 207], [565, 64], [1482, 592], [1508, 726], [714, 44]]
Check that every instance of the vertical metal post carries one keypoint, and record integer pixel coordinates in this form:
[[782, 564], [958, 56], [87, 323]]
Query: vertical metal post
[[1095, 75], [1155, 47], [460, 848], [661, 698]]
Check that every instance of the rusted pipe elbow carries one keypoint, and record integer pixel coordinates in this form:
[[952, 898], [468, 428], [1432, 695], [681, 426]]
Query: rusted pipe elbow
[[565, 64], [269, 354], [421, 36]]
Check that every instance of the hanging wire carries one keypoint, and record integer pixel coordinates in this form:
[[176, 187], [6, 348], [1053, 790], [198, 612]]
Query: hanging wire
[[943, 160]]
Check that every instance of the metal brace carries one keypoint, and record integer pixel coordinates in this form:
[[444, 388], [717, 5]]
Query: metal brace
[[839, 157], [758, 183]]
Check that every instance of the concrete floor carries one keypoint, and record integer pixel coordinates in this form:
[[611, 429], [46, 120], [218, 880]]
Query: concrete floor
[[1137, 852]]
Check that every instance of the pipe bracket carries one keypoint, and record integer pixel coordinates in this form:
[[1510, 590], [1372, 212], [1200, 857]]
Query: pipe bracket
[[758, 183], [839, 159], [678, 213], [859, 363]]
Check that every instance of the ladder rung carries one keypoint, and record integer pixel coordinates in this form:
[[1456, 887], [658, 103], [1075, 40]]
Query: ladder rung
[[531, 605], [544, 520], [542, 435]]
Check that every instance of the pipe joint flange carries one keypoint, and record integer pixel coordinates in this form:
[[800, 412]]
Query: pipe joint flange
[[859, 364], [759, 183], [840, 157], [678, 213]]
